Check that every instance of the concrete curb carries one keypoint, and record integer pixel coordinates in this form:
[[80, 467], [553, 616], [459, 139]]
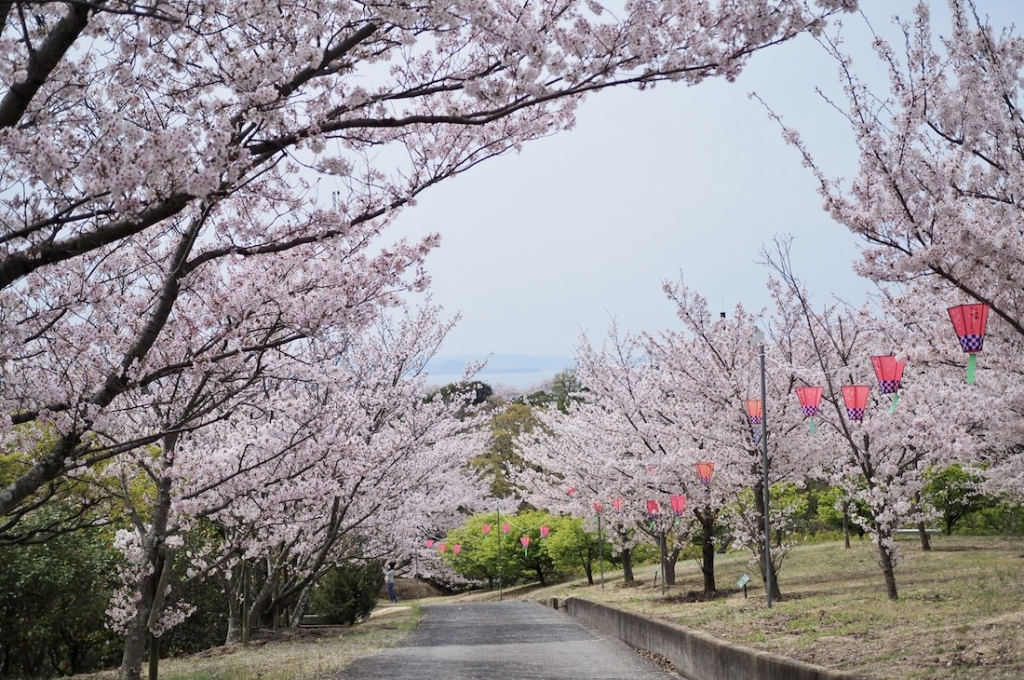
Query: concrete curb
[[695, 655]]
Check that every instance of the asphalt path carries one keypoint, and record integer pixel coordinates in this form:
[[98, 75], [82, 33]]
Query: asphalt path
[[504, 641]]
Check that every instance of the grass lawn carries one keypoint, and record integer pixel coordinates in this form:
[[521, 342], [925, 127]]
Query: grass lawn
[[307, 654], [960, 612]]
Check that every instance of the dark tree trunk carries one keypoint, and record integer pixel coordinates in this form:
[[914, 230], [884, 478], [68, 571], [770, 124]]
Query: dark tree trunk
[[885, 558], [627, 565], [926, 540], [846, 527], [765, 563], [707, 566]]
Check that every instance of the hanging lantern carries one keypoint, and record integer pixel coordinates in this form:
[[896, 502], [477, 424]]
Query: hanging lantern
[[678, 504], [487, 529], [969, 323], [652, 508], [430, 543], [441, 547], [889, 373], [505, 528], [571, 490], [753, 410], [597, 508], [525, 540], [617, 504], [856, 399], [704, 470], [544, 532], [456, 548], [810, 400]]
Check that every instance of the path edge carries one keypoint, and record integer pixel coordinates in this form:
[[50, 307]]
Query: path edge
[[695, 654]]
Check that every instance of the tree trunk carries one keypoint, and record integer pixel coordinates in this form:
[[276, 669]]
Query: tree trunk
[[846, 527], [300, 607], [627, 565], [589, 568], [926, 540], [765, 564], [885, 558], [234, 608], [707, 566], [138, 628]]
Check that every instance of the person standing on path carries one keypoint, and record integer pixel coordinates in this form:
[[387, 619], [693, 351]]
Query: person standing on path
[[389, 581]]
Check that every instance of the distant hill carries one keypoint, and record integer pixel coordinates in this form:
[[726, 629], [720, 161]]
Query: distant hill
[[513, 369]]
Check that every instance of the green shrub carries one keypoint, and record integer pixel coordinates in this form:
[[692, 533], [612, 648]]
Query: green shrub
[[348, 592]]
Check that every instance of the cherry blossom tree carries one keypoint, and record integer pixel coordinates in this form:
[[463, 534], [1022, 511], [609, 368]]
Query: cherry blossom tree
[[880, 459], [328, 465], [162, 161]]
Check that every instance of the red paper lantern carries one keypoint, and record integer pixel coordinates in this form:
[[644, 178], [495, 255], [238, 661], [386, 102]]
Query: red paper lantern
[[597, 507], [544, 532], [487, 529], [571, 490], [856, 399], [810, 399], [506, 528], [704, 470], [678, 504], [889, 373], [441, 547], [430, 543], [456, 548], [969, 323], [754, 411], [652, 508], [617, 504]]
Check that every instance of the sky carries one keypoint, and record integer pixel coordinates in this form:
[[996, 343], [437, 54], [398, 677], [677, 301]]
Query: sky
[[580, 229]]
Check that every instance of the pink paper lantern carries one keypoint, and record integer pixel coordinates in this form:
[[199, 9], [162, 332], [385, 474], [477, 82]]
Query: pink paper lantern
[[652, 508], [487, 529], [889, 373], [617, 504], [597, 507], [678, 504], [856, 399], [810, 399], [754, 410], [456, 548], [704, 470], [430, 543], [505, 528], [525, 540], [441, 547], [544, 532]]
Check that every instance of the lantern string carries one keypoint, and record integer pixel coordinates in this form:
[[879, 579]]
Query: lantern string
[[895, 402], [972, 362]]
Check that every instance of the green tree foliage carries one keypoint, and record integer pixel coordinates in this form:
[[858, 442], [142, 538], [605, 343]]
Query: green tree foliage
[[501, 455], [349, 592], [479, 558], [53, 599], [955, 493], [575, 550]]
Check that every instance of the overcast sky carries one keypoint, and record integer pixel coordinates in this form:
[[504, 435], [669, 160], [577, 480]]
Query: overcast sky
[[582, 228]]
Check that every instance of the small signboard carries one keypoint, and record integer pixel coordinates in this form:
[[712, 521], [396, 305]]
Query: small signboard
[[744, 580]]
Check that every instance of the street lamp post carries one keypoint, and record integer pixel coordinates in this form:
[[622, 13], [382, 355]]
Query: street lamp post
[[600, 542], [764, 469]]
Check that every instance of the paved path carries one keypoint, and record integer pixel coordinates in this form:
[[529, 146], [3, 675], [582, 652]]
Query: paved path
[[504, 641]]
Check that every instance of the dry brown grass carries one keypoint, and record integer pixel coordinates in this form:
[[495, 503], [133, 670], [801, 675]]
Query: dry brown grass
[[306, 654], [960, 613]]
